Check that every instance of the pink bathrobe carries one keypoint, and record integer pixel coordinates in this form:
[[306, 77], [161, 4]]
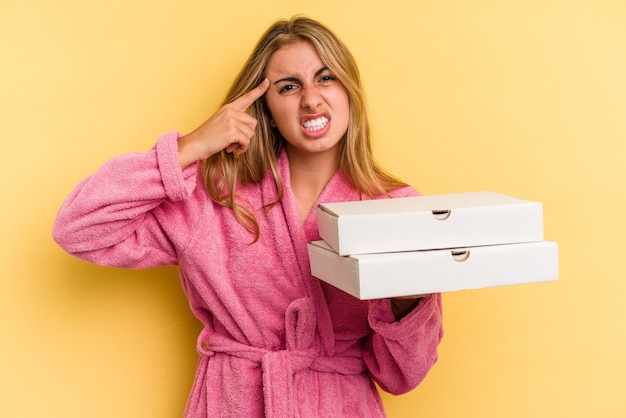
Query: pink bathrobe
[[276, 341]]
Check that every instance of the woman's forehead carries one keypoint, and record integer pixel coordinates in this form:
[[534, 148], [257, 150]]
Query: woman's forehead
[[298, 58]]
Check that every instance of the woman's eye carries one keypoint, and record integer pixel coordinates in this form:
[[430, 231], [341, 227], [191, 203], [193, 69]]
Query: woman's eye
[[287, 88], [327, 78]]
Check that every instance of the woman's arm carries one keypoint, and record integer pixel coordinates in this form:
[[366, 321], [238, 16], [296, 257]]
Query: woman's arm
[[399, 354], [110, 218]]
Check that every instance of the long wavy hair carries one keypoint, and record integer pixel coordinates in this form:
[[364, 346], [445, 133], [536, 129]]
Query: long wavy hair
[[223, 172]]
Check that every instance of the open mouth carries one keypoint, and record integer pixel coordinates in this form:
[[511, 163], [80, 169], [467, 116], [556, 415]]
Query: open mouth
[[315, 124]]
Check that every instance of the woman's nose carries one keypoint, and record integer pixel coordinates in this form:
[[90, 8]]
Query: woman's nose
[[311, 98]]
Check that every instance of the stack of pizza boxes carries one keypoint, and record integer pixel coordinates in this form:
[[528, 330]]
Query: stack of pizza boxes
[[417, 245]]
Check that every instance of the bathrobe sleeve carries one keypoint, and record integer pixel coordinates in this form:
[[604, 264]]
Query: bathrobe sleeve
[[110, 218], [399, 354]]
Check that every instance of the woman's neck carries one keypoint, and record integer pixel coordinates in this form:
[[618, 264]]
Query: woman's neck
[[310, 173]]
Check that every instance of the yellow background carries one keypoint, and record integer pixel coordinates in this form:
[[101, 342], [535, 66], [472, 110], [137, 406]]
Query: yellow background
[[522, 97]]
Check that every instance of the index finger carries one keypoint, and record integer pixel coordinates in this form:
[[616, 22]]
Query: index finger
[[245, 101]]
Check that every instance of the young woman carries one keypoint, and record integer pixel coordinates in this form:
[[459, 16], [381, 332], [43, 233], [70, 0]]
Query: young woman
[[232, 204]]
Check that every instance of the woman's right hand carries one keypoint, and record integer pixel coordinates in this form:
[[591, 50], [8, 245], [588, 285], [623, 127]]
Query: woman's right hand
[[229, 129]]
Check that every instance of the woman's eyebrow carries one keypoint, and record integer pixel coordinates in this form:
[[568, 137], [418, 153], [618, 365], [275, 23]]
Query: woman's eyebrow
[[287, 79], [321, 71], [292, 79]]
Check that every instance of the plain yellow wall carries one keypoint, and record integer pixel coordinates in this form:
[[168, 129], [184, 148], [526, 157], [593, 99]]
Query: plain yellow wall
[[522, 97]]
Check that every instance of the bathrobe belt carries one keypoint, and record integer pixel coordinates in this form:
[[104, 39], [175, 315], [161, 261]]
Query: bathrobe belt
[[279, 367]]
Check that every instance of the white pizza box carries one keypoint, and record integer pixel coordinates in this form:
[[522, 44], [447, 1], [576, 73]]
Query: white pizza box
[[383, 275], [429, 222]]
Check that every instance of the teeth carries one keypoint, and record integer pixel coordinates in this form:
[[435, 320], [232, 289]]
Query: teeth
[[316, 124]]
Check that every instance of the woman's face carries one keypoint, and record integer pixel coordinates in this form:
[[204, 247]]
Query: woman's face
[[309, 106]]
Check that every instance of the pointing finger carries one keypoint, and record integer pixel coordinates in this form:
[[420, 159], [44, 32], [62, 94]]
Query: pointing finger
[[245, 101]]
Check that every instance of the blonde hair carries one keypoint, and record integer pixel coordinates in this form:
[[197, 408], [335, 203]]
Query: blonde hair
[[223, 172]]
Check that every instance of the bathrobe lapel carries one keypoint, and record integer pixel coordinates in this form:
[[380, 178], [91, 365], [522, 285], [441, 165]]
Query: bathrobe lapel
[[298, 235]]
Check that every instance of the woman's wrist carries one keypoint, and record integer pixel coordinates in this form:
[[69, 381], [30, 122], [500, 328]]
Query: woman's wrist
[[401, 307], [186, 154]]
